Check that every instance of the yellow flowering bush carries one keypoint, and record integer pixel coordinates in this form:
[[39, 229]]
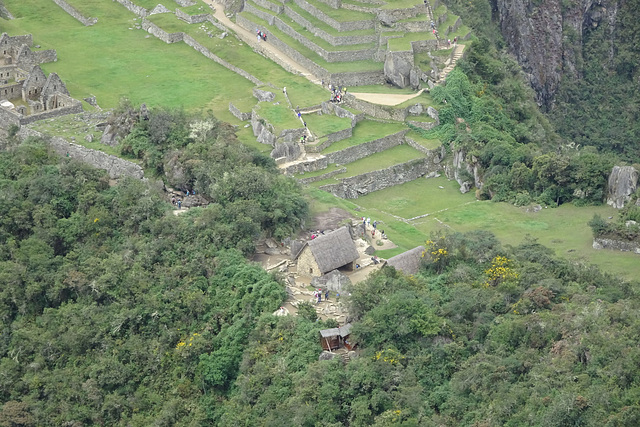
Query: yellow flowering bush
[[436, 254], [390, 356], [500, 272]]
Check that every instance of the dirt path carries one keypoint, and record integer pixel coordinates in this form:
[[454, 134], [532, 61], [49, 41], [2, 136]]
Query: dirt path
[[264, 47]]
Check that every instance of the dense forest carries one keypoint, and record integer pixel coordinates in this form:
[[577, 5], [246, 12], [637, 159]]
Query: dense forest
[[116, 312]]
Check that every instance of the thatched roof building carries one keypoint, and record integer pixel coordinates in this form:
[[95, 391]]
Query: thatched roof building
[[331, 251], [407, 262]]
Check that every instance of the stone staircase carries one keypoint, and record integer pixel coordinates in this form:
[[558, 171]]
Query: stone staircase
[[458, 52]]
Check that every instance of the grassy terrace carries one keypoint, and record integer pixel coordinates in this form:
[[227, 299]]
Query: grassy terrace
[[330, 168], [404, 43], [280, 116], [361, 4], [341, 15], [301, 91], [401, 4], [317, 40], [428, 143], [393, 156], [196, 9], [322, 125], [365, 131], [332, 67], [325, 27]]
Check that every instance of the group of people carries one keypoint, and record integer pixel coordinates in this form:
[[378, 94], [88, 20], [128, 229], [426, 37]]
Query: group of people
[[336, 92], [365, 224], [261, 35], [316, 234], [317, 295], [178, 202]]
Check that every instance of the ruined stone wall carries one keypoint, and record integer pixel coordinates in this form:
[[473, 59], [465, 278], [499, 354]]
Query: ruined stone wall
[[360, 185], [115, 166], [307, 166], [15, 42], [192, 19], [8, 118], [213, 21], [322, 177], [11, 91], [617, 245], [333, 3], [44, 56], [422, 125], [389, 16], [158, 32], [73, 108], [87, 22], [357, 152], [330, 38], [239, 114], [140, 11], [340, 26], [185, 3], [358, 78]]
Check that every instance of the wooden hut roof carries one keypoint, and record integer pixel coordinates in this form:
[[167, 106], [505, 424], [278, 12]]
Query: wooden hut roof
[[407, 262], [333, 250], [342, 331]]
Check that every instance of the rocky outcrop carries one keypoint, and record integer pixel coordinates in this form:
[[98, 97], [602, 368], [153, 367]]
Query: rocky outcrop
[[333, 280], [535, 33], [466, 172], [263, 95], [288, 151], [623, 182], [400, 71], [617, 245]]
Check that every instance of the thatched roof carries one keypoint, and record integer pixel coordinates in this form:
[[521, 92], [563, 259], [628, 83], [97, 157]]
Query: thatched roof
[[407, 262], [342, 331], [333, 250]]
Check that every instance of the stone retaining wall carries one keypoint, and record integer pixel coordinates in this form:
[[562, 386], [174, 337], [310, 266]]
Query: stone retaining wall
[[185, 3], [340, 26], [140, 11], [394, 15], [192, 19], [333, 3], [158, 32], [307, 166], [322, 177], [8, 117], [357, 152], [422, 125], [268, 5], [360, 185], [87, 22], [239, 114], [339, 135], [617, 245], [329, 38], [115, 166], [413, 144]]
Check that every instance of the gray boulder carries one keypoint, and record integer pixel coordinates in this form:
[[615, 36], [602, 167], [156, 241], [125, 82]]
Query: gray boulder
[[263, 95], [325, 355], [397, 68], [334, 280], [623, 182], [289, 150]]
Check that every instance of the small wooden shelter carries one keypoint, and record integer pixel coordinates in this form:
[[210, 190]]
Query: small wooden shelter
[[407, 262], [334, 338], [331, 251]]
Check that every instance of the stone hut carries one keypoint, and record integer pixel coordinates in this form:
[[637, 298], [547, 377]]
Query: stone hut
[[407, 262], [29, 93], [335, 250]]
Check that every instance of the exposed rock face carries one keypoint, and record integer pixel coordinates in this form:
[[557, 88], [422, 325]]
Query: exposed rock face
[[398, 69], [333, 280], [288, 150], [618, 245], [264, 95], [534, 34], [623, 182]]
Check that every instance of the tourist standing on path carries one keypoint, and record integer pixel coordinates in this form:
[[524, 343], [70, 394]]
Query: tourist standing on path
[[179, 204], [326, 295]]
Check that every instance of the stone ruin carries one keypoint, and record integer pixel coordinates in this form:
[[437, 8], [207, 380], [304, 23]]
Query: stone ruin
[[26, 93]]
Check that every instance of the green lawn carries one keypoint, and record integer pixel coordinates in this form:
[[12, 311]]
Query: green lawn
[[280, 116], [404, 43], [563, 229], [365, 131], [428, 143], [325, 124]]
